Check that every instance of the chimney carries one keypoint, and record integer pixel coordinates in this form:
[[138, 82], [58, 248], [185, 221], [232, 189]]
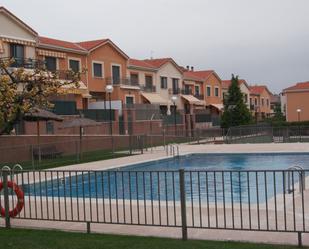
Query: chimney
[[192, 69], [188, 68]]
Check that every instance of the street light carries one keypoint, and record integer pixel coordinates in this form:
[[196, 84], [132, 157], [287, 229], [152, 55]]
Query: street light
[[298, 114], [174, 99], [109, 89], [298, 117]]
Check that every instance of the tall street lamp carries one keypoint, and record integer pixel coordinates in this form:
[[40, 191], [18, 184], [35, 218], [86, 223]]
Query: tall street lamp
[[109, 89], [298, 118], [174, 99]]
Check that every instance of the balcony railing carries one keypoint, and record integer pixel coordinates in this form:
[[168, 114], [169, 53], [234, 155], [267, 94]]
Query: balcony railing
[[186, 91], [149, 89], [174, 91], [199, 96], [121, 81], [27, 63]]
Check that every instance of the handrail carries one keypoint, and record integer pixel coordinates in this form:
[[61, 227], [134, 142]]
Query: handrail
[[302, 179], [172, 150]]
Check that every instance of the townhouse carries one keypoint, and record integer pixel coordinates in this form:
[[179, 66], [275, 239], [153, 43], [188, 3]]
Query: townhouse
[[210, 83], [193, 91], [260, 98], [295, 100], [160, 80], [244, 88]]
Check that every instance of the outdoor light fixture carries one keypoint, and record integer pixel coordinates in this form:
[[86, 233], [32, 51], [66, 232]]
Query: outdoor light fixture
[[298, 118], [109, 89], [174, 98]]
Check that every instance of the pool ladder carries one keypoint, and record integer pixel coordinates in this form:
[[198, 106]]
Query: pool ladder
[[302, 179], [172, 150], [11, 170]]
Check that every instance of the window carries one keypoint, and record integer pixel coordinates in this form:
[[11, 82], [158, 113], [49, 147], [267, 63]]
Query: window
[[255, 101], [116, 74], [216, 91], [246, 98], [175, 86], [97, 69], [163, 82], [187, 89], [49, 127], [51, 63], [250, 101], [208, 91], [74, 65], [17, 52], [197, 90], [267, 102], [129, 100], [148, 81], [134, 78], [262, 101]]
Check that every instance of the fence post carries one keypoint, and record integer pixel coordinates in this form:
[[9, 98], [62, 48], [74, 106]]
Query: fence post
[[183, 204], [32, 156], [300, 243], [130, 143], [6, 199], [88, 227]]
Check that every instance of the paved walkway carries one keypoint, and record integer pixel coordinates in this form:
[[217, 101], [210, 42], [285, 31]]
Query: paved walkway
[[158, 153]]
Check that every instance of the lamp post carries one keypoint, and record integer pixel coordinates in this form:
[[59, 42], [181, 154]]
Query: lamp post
[[109, 89], [174, 98], [298, 118]]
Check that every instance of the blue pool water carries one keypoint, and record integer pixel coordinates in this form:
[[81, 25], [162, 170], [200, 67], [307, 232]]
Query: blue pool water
[[205, 180]]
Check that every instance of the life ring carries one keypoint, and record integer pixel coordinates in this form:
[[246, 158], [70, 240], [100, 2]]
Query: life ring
[[20, 199]]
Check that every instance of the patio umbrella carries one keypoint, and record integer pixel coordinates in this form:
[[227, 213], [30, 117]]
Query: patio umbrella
[[79, 122], [36, 115]]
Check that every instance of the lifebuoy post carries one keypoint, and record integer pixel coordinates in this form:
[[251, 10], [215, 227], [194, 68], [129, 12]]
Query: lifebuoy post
[[6, 198]]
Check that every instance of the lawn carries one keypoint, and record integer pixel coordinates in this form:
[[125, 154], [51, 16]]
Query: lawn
[[70, 159], [35, 239]]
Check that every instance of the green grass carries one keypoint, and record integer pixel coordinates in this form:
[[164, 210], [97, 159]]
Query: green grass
[[71, 159], [35, 239]]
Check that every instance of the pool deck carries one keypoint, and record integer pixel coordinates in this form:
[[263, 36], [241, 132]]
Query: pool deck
[[160, 153]]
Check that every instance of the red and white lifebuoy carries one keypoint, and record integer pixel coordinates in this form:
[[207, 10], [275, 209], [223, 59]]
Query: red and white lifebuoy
[[20, 199]]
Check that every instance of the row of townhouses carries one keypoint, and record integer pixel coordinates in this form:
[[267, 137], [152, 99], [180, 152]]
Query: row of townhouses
[[160, 82]]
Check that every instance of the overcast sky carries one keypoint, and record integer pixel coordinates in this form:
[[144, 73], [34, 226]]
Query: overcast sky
[[263, 41]]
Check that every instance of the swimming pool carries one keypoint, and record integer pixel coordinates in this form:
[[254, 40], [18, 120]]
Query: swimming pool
[[208, 178]]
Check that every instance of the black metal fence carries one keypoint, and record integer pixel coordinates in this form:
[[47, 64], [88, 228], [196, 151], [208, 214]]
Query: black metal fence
[[249, 200], [267, 134]]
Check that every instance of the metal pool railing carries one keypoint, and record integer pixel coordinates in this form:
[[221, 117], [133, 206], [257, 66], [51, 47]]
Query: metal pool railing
[[248, 200]]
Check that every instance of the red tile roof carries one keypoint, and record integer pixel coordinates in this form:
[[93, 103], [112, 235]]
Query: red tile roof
[[140, 63], [257, 90], [158, 62], [298, 86], [203, 74], [227, 83], [192, 75], [60, 43], [91, 44]]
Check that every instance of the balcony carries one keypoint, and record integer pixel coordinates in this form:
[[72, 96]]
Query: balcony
[[121, 81], [199, 96], [186, 91], [174, 91], [27, 63], [148, 89]]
